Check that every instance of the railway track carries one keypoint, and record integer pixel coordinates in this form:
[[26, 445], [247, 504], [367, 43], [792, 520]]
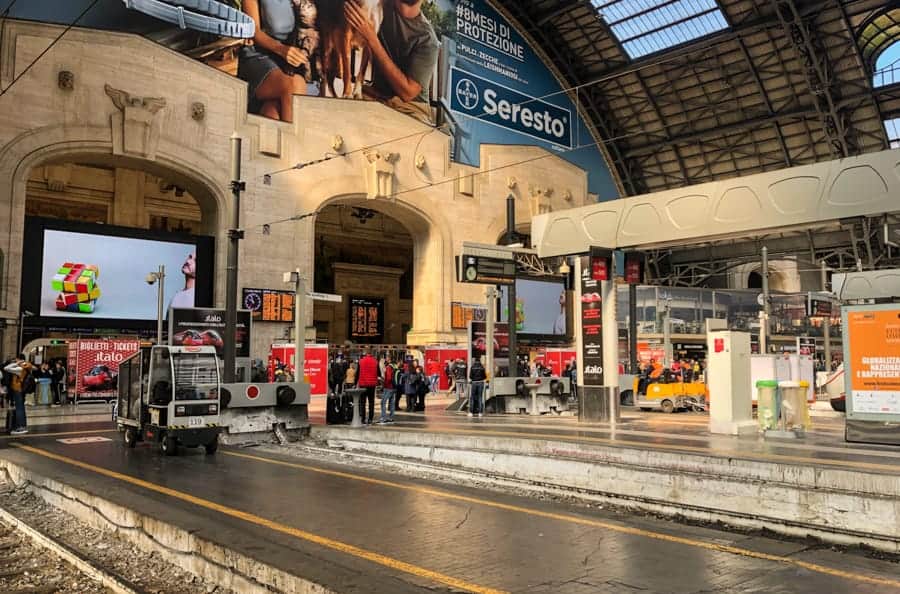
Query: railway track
[[30, 568]]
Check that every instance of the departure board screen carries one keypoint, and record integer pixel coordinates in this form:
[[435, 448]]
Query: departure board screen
[[366, 319], [269, 305]]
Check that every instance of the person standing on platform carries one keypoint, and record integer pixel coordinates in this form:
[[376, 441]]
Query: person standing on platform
[[389, 392], [433, 368], [411, 380], [368, 380], [477, 376], [19, 371], [58, 377]]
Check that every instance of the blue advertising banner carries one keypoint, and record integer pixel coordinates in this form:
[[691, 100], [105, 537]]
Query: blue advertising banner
[[495, 104], [487, 50], [464, 64]]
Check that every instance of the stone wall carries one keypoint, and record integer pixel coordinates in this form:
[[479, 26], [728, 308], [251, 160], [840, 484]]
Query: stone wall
[[136, 105]]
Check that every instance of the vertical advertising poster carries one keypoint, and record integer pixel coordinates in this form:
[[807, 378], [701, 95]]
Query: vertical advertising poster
[[478, 343], [97, 365], [873, 378], [591, 327]]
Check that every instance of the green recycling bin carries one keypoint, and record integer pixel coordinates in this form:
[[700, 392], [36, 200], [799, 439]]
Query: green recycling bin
[[767, 405]]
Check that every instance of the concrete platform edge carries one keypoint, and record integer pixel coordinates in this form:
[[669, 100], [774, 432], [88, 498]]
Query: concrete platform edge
[[212, 561], [107, 579], [837, 506]]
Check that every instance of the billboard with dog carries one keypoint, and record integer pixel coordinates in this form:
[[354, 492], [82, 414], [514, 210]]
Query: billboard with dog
[[461, 65]]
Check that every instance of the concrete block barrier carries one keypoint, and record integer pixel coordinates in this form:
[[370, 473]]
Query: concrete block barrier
[[837, 505]]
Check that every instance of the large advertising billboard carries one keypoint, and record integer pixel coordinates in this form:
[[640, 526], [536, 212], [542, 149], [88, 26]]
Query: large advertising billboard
[[89, 275], [85, 277], [461, 64]]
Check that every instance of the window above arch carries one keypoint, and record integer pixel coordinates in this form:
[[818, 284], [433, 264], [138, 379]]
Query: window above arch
[[878, 43]]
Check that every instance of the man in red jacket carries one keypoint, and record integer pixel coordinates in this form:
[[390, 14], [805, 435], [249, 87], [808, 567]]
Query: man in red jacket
[[368, 379]]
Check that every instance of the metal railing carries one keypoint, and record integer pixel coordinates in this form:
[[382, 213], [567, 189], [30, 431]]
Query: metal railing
[[886, 76]]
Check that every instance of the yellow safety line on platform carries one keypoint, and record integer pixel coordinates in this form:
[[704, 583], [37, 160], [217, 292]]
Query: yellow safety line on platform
[[665, 446], [32, 435], [335, 545], [583, 521]]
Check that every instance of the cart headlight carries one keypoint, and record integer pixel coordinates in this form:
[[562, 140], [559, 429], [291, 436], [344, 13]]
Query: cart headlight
[[179, 410], [213, 409]]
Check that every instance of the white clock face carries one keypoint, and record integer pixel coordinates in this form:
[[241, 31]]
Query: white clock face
[[471, 273]]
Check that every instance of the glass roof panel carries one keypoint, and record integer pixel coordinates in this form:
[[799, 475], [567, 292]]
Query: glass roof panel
[[648, 26], [892, 127]]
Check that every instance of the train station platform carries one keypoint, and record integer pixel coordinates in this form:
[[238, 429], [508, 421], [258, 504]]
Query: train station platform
[[818, 486], [254, 520]]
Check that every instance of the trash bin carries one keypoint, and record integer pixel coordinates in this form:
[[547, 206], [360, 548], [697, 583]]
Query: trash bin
[[42, 391], [767, 404], [796, 414], [804, 419]]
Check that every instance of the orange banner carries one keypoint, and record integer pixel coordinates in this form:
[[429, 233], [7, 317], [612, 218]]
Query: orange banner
[[874, 341]]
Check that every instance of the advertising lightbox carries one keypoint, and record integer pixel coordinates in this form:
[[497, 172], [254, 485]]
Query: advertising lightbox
[[872, 356]]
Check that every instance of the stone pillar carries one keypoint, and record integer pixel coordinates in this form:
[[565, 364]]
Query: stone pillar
[[128, 202]]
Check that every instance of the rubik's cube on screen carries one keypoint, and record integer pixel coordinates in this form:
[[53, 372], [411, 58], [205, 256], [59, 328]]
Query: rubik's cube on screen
[[77, 286]]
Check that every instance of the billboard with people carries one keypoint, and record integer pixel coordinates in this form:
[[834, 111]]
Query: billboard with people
[[459, 65]]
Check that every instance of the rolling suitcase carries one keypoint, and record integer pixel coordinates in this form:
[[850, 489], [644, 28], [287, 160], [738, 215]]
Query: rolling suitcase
[[334, 410], [347, 408]]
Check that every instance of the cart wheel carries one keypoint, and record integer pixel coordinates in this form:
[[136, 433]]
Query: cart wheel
[[130, 437], [667, 406], [168, 445], [212, 446]]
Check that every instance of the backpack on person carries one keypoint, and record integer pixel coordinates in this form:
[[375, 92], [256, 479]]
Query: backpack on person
[[28, 383]]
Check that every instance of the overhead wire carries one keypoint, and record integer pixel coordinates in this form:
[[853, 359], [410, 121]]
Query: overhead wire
[[49, 47], [564, 91]]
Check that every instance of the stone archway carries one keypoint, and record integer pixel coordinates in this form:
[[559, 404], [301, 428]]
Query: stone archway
[[430, 276], [57, 145]]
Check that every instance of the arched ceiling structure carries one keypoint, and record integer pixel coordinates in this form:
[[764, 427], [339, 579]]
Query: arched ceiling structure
[[682, 92]]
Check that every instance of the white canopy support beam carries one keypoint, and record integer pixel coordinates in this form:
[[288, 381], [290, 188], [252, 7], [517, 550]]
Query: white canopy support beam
[[793, 198]]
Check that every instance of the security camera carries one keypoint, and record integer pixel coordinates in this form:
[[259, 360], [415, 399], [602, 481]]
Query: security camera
[[151, 278]]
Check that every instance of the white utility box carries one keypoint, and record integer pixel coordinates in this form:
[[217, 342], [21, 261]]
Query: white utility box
[[728, 380]]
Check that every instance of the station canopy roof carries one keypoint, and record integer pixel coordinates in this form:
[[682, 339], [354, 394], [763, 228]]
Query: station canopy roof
[[682, 92]]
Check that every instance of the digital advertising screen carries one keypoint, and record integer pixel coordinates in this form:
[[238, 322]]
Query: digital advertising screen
[[97, 275], [540, 307], [105, 277]]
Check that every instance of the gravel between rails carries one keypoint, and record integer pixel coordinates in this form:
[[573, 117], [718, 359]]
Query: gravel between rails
[[45, 572]]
